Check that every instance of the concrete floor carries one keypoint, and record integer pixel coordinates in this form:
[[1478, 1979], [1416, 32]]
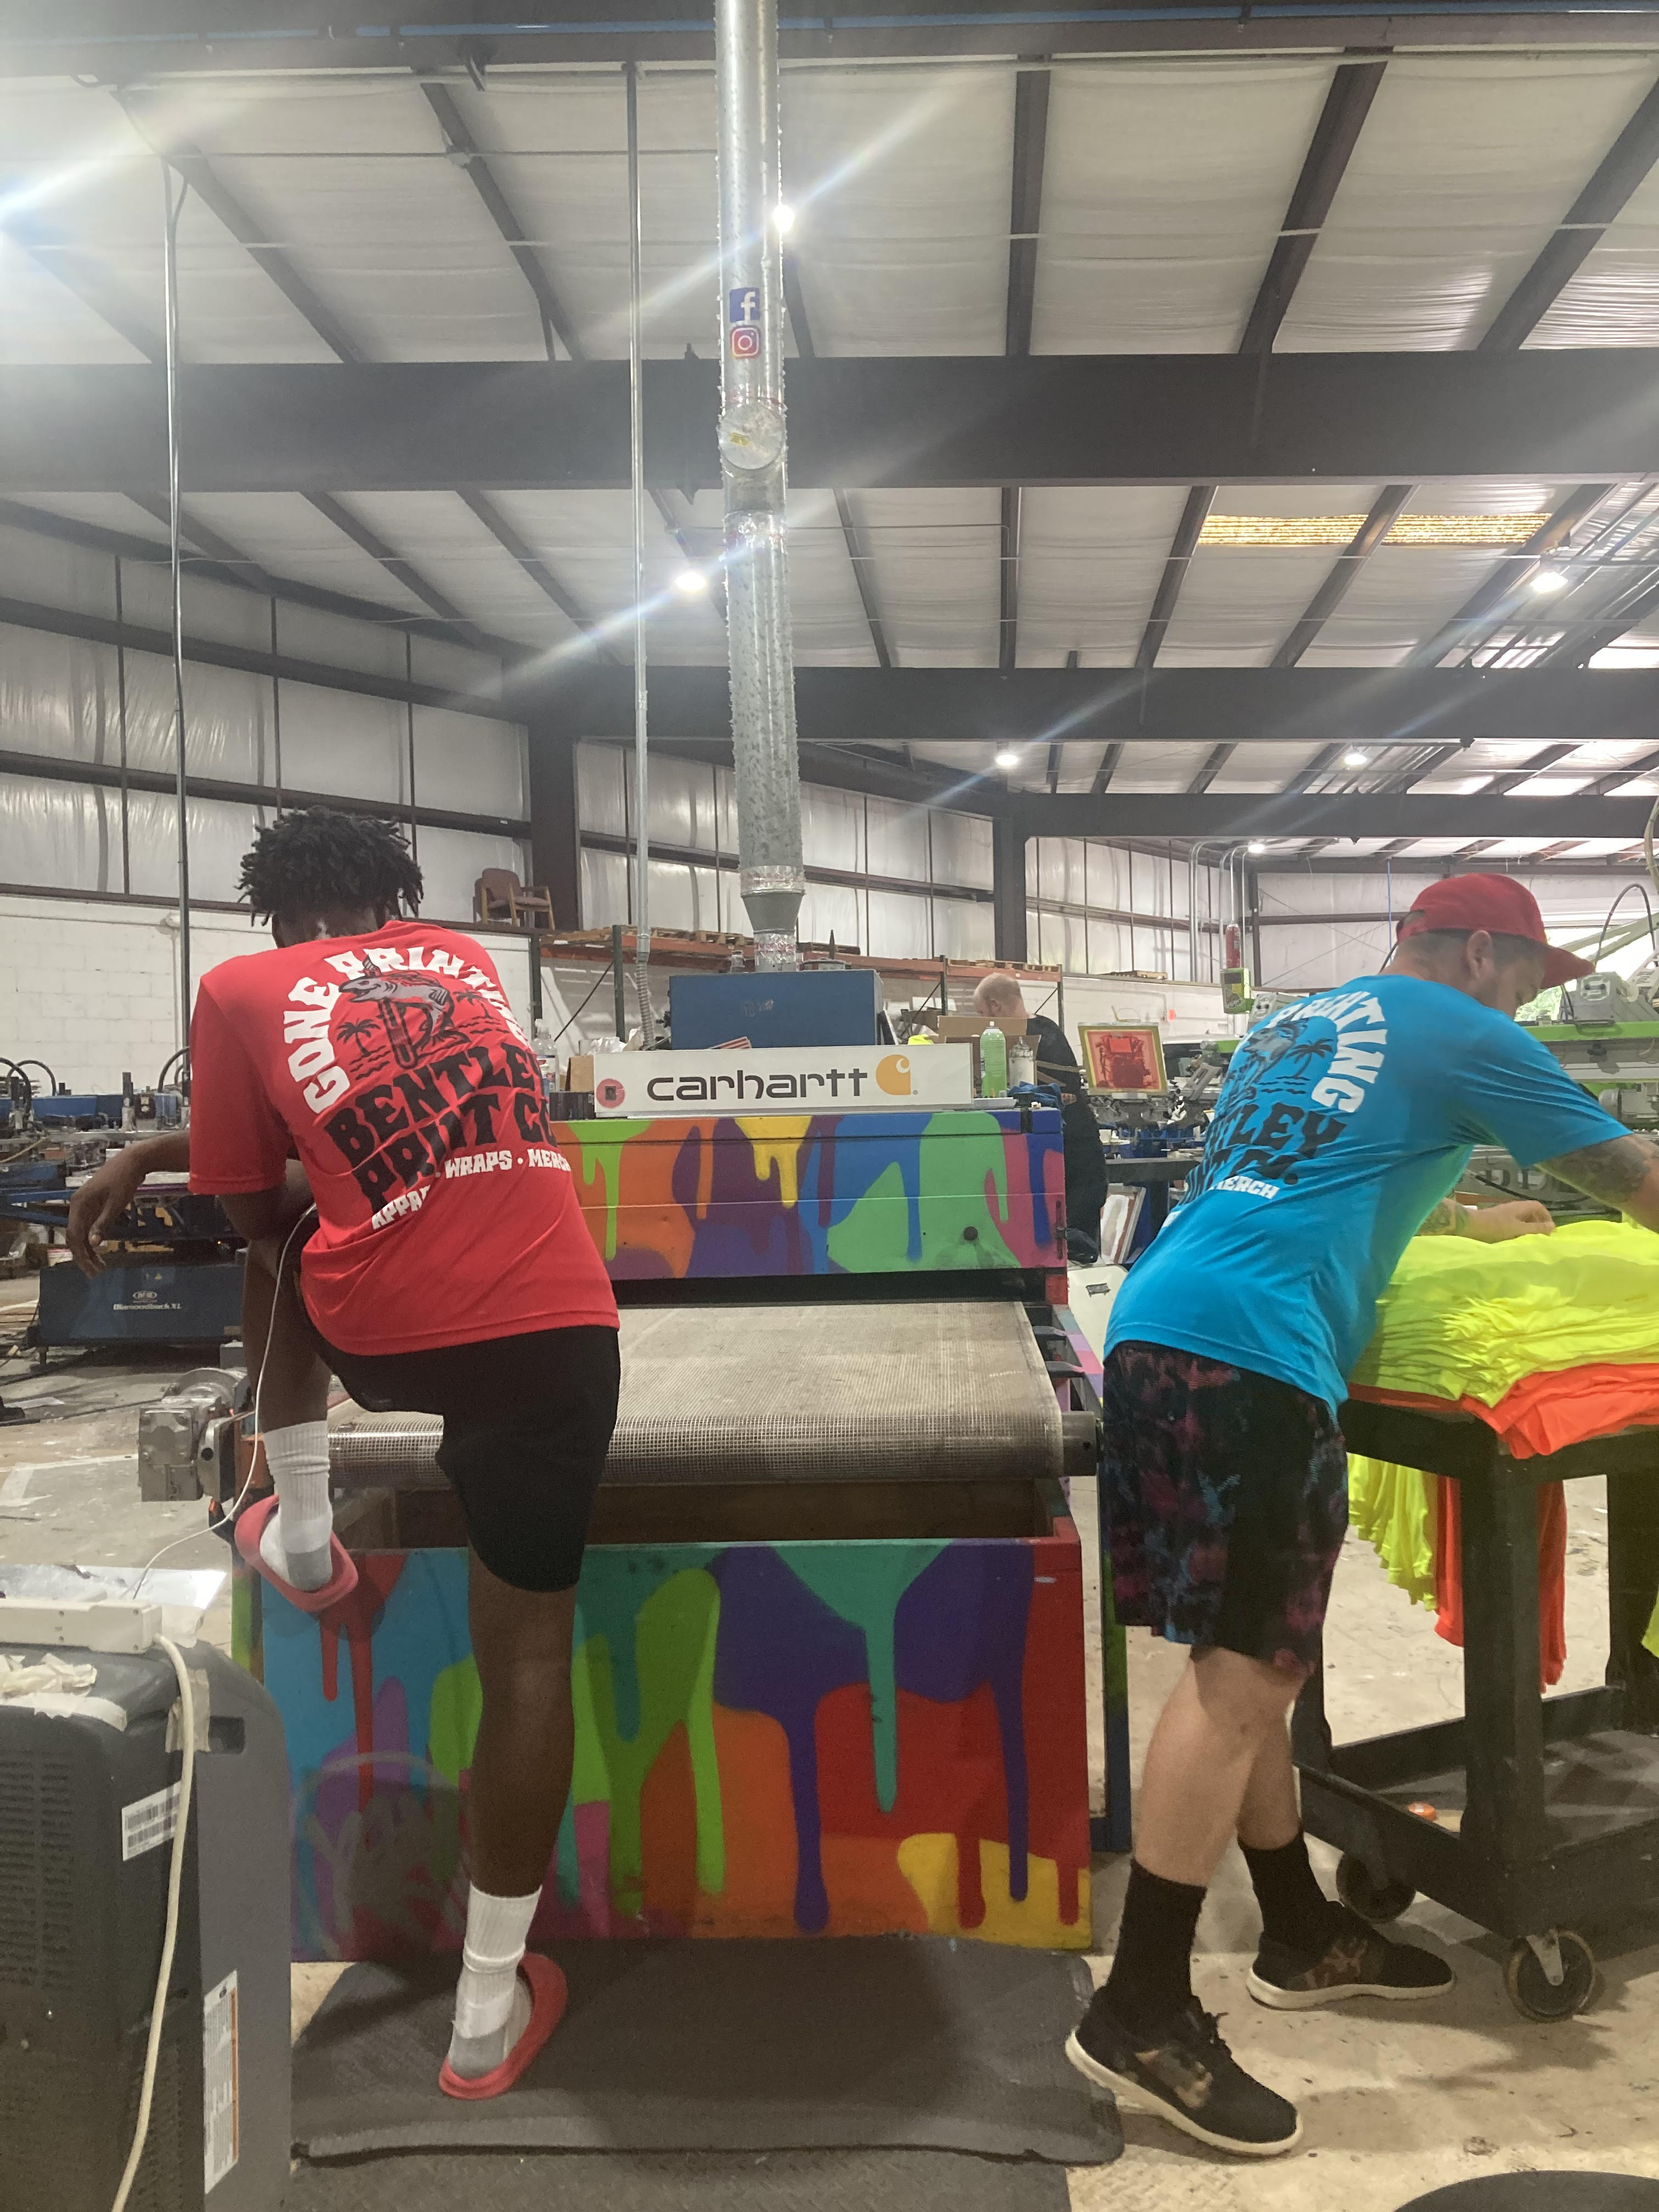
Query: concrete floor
[[1395, 2100]]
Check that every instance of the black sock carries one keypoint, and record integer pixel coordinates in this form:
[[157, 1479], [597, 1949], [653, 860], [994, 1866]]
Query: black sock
[[1295, 1910], [1151, 1978]]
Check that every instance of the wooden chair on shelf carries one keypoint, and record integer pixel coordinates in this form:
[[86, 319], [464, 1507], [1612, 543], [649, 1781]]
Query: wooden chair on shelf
[[498, 896]]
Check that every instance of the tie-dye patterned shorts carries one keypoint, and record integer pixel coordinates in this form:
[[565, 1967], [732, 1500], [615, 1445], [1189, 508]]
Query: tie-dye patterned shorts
[[1226, 1495]]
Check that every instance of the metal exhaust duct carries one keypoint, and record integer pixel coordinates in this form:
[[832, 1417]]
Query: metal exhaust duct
[[752, 445]]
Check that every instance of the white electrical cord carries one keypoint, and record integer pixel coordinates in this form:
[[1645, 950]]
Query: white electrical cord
[[170, 1939], [1647, 845], [258, 1386], [187, 1722]]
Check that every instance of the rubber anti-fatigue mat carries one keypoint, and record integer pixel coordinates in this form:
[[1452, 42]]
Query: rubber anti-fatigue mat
[[886, 2042], [680, 2181]]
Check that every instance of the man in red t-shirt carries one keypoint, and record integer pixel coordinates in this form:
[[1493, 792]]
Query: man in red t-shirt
[[450, 1271]]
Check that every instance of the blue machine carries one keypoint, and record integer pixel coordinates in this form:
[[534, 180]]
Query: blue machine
[[172, 1272], [84, 1109], [165, 1302], [808, 1006]]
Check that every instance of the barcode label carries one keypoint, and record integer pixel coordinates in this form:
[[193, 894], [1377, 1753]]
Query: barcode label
[[149, 1821], [221, 2113]]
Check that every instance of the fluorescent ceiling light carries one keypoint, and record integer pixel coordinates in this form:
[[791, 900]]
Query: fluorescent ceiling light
[[1418, 530]]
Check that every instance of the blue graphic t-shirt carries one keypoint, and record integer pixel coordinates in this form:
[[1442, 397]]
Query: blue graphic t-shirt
[[1343, 1122]]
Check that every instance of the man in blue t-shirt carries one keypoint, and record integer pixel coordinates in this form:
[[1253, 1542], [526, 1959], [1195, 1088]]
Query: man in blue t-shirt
[[1343, 1125]]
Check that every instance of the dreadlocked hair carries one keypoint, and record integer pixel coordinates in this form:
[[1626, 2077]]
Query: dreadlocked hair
[[314, 859]]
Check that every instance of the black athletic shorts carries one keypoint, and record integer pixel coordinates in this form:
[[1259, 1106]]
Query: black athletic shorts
[[527, 1423]]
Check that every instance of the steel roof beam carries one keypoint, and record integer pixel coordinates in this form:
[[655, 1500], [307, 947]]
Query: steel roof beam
[[1215, 761], [109, 37], [1627, 166], [237, 572], [213, 653], [1030, 148], [1026, 205], [1314, 769], [556, 319], [1580, 646], [1498, 595], [892, 423], [459, 137], [1544, 758], [530, 561], [1430, 758], [1353, 87], [400, 570], [1385, 513], [1367, 707], [1108, 768], [1333, 814], [1008, 577], [858, 550], [147, 341], [1615, 777], [52, 250], [1183, 546], [192, 164]]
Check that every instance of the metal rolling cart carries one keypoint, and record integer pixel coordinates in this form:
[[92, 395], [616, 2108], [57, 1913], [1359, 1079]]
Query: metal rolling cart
[[1558, 1798]]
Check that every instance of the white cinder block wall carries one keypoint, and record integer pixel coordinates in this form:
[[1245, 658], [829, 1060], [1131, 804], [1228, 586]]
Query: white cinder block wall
[[92, 988]]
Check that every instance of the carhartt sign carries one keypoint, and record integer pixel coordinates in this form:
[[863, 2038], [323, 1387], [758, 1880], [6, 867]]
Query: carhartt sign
[[809, 1079]]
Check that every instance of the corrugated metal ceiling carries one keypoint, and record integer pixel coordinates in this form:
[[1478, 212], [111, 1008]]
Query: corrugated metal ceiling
[[1165, 187]]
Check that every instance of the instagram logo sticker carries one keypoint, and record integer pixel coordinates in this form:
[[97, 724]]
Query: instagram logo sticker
[[608, 1091], [745, 343]]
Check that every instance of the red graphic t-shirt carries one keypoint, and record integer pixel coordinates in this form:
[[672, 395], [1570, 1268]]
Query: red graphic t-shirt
[[393, 1064]]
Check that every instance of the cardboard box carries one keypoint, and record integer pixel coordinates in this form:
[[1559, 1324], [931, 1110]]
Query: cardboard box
[[579, 1074], [967, 1029]]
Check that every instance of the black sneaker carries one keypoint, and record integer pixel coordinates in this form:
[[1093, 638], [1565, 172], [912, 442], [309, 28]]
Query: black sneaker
[[1190, 2079], [1358, 1962]]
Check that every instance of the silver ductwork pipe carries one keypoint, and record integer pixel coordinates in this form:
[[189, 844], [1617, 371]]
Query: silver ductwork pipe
[[770, 874], [636, 448]]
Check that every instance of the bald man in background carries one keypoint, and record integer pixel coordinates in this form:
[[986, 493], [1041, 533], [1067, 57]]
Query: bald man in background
[[999, 999]]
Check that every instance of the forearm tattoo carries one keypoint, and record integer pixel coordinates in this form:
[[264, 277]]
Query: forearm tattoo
[[1449, 1218], [1611, 1171]]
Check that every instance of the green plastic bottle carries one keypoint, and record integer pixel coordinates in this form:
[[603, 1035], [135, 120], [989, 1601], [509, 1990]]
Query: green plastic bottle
[[992, 1064]]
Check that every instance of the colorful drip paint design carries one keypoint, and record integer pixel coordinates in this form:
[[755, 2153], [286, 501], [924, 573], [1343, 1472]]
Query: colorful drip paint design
[[852, 1193], [811, 1738]]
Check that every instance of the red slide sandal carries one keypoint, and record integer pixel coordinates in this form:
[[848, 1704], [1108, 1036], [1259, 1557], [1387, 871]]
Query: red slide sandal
[[548, 1994], [251, 1525]]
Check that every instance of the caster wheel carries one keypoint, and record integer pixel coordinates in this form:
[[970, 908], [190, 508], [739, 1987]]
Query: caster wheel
[[1530, 1990], [1372, 1900]]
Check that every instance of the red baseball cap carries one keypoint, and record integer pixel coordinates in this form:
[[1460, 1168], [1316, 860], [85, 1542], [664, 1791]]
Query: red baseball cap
[[1496, 903]]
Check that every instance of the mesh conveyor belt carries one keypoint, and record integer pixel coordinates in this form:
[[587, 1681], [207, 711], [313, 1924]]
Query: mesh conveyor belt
[[895, 1392]]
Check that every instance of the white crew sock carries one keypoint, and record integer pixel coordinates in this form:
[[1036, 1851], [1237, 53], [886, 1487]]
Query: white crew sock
[[296, 1540], [492, 2005]]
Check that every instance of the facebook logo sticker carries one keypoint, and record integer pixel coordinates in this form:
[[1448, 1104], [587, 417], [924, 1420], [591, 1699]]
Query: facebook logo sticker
[[742, 304]]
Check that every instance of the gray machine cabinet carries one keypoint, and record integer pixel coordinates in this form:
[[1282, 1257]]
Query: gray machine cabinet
[[82, 1906]]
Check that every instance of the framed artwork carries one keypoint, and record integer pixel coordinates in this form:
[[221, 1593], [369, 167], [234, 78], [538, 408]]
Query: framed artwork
[[1123, 1058]]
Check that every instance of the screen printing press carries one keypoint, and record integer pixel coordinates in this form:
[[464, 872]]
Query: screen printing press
[[830, 1663]]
